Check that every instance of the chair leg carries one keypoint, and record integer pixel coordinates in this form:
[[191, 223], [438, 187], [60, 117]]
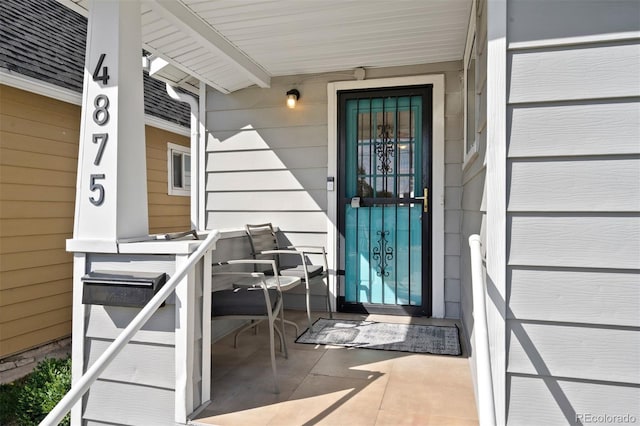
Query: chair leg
[[309, 308], [273, 354], [329, 298], [281, 341], [283, 336], [253, 324], [294, 326]]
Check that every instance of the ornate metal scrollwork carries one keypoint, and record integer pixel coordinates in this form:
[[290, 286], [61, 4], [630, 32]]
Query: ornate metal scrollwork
[[382, 254], [384, 149]]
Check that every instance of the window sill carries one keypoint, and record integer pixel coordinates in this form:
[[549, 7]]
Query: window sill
[[470, 156]]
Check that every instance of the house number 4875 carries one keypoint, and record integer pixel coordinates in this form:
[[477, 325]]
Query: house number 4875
[[101, 118]]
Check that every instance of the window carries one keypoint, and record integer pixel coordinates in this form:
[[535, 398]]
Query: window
[[470, 98], [179, 166]]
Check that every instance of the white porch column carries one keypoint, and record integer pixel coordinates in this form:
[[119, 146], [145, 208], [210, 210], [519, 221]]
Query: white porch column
[[111, 193]]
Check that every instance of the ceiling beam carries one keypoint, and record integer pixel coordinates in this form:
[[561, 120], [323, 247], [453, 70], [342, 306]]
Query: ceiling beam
[[188, 22], [182, 68]]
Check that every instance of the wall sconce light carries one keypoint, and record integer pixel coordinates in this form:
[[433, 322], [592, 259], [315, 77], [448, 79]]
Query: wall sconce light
[[292, 98]]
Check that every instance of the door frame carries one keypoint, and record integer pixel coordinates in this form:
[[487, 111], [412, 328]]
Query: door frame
[[437, 178], [423, 180]]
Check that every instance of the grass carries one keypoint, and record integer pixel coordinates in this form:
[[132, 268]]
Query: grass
[[27, 401]]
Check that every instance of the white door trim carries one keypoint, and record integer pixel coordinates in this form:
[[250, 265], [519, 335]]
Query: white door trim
[[437, 182]]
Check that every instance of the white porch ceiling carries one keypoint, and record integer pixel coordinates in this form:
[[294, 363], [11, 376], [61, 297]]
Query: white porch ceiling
[[232, 44]]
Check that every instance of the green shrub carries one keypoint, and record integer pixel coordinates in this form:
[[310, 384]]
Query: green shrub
[[8, 401], [28, 401]]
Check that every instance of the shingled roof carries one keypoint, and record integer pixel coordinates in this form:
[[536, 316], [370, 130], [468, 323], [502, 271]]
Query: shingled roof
[[45, 40]]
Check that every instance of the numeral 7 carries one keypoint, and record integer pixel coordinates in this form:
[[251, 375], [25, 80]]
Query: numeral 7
[[100, 138]]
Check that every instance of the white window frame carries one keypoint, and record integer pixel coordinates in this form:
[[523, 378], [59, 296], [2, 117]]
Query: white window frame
[[184, 150], [470, 146]]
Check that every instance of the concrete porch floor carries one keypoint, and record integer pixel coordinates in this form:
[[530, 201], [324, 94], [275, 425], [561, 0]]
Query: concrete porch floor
[[333, 385]]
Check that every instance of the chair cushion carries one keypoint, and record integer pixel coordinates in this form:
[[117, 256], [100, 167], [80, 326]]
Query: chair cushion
[[298, 271], [285, 282], [241, 301]]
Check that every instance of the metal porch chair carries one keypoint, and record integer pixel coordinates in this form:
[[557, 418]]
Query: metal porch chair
[[264, 245], [259, 301]]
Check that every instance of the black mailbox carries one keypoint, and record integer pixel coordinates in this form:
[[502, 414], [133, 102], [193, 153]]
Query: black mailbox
[[117, 288]]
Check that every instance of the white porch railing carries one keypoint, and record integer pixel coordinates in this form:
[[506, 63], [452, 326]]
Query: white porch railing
[[91, 375], [486, 407]]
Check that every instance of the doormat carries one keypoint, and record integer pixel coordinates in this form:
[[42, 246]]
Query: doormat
[[428, 339]]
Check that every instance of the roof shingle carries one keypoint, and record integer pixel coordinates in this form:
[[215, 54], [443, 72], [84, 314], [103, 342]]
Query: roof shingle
[[45, 40]]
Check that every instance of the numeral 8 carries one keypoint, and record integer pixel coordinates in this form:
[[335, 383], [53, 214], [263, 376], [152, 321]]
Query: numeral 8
[[101, 113]]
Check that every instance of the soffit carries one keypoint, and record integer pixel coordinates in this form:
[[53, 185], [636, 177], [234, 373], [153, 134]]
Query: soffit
[[287, 37]]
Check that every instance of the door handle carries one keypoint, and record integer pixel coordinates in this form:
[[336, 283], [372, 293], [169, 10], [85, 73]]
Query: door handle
[[425, 198]]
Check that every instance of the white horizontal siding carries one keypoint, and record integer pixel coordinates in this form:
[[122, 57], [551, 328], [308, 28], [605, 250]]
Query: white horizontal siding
[[570, 21], [590, 353], [573, 135], [590, 297], [252, 139], [549, 401], [575, 241], [277, 159], [594, 128], [269, 180], [302, 238], [474, 192], [602, 71], [299, 200], [312, 114], [579, 185], [265, 162], [129, 404], [107, 322], [287, 221], [137, 363]]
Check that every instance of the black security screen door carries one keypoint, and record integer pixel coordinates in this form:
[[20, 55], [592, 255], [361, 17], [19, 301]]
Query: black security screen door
[[385, 168]]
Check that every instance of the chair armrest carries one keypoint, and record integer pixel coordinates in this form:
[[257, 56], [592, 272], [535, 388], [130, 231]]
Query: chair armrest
[[249, 261], [242, 274], [310, 249], [282, 251], [260, 275], [314, 250]]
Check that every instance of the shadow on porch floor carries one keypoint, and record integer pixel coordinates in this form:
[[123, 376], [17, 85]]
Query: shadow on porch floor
[[335, 385]]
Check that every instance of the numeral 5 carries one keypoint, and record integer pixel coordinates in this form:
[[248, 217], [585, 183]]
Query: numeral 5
[[93, 186]]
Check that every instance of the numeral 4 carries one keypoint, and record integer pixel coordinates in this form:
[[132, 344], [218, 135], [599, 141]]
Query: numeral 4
[[104, 77]]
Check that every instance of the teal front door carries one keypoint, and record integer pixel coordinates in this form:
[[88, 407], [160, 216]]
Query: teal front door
[[384, 191]]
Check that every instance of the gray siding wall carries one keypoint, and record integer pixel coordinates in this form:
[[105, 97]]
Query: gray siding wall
[[453, 154], [268, 163], [473, 182], [573, 198], [122, 393], [139, 386]]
